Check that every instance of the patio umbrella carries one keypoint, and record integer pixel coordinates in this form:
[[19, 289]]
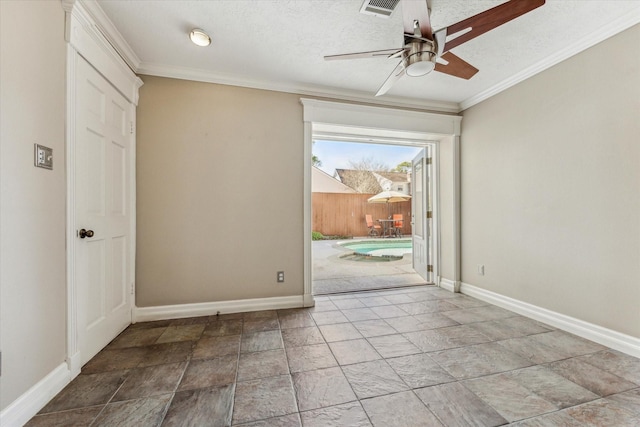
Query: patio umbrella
[[389, 197]]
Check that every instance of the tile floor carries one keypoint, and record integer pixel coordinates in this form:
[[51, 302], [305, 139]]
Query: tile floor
[[419, 356]]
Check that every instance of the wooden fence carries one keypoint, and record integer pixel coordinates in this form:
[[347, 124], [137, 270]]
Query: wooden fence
[[336, 214]]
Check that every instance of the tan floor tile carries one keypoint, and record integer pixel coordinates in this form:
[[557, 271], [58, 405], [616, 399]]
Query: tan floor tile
[[310, 357], [588, 376], [348, 414], [454, 404], [322, 388], [181, 333], [211, 347], [399, 410], [263, 398], [354, 351], [339, 332]]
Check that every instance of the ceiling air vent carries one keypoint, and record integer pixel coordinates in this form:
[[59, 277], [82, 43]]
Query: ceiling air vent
[[381, 8]]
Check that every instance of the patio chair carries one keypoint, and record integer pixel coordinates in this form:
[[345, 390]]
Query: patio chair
[[397, 224], [372, 226]]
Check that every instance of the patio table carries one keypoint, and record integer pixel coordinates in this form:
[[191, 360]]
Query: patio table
[[387, 227]]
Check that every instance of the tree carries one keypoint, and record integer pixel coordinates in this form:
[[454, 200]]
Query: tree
[[403, 167], [369, 164], [315, 160]]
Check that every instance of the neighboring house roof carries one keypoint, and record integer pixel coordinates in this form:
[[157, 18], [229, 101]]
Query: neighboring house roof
[[373, 182], [395, 176], [322, 182], [360, 180]]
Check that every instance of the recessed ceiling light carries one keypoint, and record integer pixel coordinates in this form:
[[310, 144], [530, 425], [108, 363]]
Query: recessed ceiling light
[[199, 37]]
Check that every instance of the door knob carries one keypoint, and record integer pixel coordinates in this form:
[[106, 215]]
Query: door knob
[[85, 233]]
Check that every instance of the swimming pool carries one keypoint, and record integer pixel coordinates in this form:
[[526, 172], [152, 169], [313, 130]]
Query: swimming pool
[[395, 248]]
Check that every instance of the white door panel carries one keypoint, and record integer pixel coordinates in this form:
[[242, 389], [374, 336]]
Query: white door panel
[[102, 167], [419, 209]]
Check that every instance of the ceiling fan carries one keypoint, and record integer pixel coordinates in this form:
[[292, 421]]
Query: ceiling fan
[[425, 50]]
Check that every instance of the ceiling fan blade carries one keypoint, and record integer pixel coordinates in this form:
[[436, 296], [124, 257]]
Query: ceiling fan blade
[[456, 67], [397, 73], [416, 10], [372, 54], [488, 20]]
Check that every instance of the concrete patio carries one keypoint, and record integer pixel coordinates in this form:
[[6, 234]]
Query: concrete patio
[[331, 274]]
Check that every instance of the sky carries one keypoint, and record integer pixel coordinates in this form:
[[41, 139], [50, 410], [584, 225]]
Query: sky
[[337, 155]]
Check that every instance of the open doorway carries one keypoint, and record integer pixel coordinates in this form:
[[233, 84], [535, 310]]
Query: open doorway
[[366, 234], [351, 122]]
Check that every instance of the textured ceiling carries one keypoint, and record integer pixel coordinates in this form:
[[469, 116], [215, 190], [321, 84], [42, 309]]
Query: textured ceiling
[[280, 44]]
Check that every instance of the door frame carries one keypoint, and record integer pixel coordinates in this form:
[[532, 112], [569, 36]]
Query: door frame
[[85, 41], [406, 139], [388, 124]]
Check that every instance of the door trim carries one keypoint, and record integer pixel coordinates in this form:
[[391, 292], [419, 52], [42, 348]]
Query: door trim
[[437, 127], [84, 40]]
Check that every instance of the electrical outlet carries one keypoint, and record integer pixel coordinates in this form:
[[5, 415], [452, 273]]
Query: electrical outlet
[[280, 276], [481, 269]]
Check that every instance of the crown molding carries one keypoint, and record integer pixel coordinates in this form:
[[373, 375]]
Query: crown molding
[[84, 37], [184, 73], [594, 38], [123, 48], [113, 36], [110, 32]]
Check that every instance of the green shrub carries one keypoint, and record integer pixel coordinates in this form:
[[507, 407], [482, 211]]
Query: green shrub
[[316, 235]]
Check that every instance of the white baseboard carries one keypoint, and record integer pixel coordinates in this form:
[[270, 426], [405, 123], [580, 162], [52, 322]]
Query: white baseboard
[[309, 301], [75, 364], [447, 285], [608, 337], [21, 410], [179, 311]]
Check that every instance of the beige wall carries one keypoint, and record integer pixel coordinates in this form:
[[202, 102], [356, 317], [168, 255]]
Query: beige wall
[[551, 188], [447, 224], [32, 201], [219, 193]]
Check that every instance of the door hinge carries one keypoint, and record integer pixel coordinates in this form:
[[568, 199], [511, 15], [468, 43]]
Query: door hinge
[[429, 160], [430, 268], [429, 214], [131, 128], [132, 289]]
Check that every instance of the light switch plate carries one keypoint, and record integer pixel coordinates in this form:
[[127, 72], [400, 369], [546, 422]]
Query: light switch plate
[[43, 156]]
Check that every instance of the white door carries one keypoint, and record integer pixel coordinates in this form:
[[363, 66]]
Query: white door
[[419, 210], [102, 251]]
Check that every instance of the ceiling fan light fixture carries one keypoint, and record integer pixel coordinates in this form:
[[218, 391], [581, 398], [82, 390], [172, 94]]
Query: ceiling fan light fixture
[[420, 60], [199, 37], [420, 68]]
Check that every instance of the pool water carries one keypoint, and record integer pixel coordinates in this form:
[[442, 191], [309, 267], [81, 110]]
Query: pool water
[[395, 248]]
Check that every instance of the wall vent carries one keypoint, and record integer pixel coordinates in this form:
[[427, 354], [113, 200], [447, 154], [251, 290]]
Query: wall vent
[[381, 8]]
